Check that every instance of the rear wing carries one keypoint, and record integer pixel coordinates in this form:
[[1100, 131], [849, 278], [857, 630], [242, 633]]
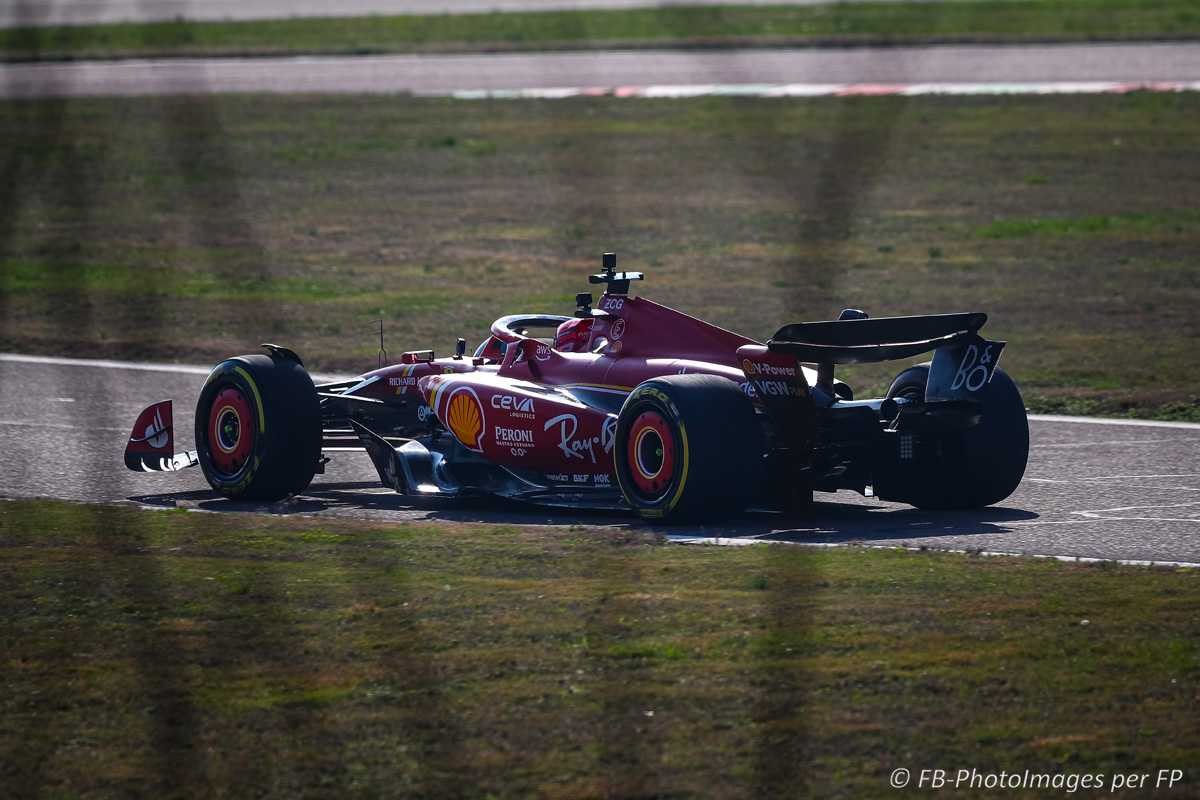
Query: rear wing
[[963, 361], [869, 341]]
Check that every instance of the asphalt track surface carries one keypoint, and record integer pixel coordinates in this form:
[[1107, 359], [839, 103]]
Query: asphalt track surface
[[441, 74], [1093, 489], [21, 13]]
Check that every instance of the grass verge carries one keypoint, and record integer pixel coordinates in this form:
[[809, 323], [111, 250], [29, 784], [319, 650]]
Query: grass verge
[[196, 228], [720, 26], [183, 655]]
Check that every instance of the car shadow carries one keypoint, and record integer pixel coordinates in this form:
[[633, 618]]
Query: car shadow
[[842, 523], [831, 522], [359, 499]]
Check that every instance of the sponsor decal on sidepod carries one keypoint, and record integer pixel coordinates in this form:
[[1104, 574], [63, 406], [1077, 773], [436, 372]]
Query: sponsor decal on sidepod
[[464, 417]]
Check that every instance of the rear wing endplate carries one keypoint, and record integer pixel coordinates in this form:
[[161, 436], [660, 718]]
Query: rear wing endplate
[[963, 370]]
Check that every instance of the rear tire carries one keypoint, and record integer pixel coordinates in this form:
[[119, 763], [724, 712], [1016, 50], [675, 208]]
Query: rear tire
[[258, 428], [985, 463], [688, 449]]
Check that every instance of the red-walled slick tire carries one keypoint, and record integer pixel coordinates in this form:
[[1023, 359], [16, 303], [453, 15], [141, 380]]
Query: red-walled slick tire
[[258, 428], [688, 449]]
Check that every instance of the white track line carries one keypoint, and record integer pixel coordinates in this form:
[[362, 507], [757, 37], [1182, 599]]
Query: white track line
[[1138, 423], [186, 369], [819, 90], [726, 542]]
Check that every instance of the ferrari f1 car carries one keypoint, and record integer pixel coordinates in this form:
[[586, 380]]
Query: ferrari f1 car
[[626, 403]]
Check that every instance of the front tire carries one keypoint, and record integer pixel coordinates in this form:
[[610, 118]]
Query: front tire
[[688, 449], [258, 428], [985, 463]]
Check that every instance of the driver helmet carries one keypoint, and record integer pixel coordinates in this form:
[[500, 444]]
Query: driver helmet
[[573, 336]]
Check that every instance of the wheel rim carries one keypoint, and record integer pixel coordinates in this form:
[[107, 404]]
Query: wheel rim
[[651, 454], [230, 434]]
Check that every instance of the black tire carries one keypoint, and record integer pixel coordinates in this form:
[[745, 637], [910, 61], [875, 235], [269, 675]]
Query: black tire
[[258, 428], [910, 384], [688, 449], [985, 463]]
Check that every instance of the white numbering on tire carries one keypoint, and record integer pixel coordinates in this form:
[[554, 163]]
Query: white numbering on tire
[[973, 371]]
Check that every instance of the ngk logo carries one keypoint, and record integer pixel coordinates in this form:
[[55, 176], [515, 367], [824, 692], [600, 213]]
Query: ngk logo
[[752, 368]]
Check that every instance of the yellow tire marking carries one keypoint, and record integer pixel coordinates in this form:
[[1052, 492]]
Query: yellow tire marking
[[262, 419], [683, 477]]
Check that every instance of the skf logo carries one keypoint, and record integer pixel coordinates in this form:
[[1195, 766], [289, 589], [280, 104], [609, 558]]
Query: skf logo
[[464, 417]]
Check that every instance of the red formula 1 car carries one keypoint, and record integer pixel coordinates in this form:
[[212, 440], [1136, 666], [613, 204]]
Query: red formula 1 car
[[627, 404]]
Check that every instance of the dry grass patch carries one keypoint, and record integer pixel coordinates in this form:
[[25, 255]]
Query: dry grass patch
[[193, 229], [188, 654]]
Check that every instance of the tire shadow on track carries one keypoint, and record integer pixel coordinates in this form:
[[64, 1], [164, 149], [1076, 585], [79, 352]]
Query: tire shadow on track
[[847, 523], [826, 523]]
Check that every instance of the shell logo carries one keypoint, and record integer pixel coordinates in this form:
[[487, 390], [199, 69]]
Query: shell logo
[[464, 417], [747, 366]]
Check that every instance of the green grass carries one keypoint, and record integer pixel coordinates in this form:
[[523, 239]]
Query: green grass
[[184, 655], [1115, 225], [196, 228], [672, 26]]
